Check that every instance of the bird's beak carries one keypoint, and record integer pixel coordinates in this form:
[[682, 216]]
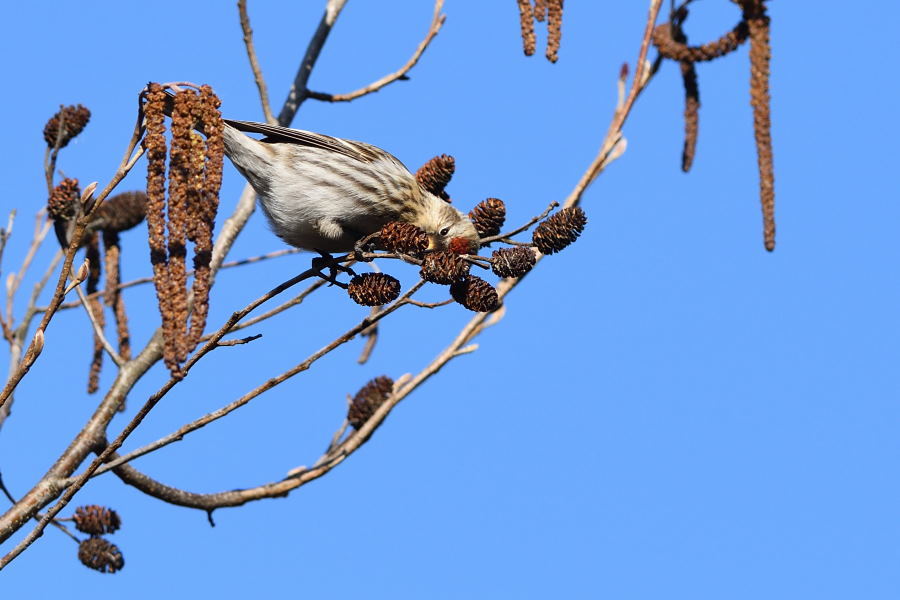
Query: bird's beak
[[434, 243]]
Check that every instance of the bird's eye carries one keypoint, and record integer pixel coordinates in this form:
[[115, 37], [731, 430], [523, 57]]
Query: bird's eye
[[444, 231]]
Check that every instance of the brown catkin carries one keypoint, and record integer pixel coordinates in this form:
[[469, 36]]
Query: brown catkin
[[204, 219], [68, 122], [691, 94], [98, 554], [554, 28], [112, 295], [664, 40], [540, 10], [180, 173], [435, 174], [155, 144], [92, 254], [760, 55], [526, 20]]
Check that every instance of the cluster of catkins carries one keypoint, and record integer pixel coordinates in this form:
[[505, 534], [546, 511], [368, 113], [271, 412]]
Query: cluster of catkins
[[452, 267], [95, 552]]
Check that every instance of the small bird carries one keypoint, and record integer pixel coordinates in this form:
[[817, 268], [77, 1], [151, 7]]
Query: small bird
[[325, 194]]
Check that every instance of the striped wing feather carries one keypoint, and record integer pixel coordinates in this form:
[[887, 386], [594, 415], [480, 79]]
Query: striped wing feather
[[275, 133]]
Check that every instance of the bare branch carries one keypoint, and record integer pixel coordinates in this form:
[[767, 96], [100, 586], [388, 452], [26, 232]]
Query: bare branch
[[254, 63], [437, 21]]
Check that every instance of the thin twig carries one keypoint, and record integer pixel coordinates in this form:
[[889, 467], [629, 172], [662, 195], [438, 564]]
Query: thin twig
[[437, 21], [98, 328], [254, 63]]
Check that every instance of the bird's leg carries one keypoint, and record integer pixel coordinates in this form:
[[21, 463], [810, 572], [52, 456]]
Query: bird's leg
[[327, 261]]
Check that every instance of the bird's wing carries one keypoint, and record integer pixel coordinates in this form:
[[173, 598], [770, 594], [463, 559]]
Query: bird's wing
[[275, 133]]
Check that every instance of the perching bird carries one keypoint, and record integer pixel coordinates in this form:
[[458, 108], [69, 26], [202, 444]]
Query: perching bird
[[325, 194]]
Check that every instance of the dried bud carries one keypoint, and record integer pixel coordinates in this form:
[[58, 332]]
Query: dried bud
[[63, 200], [397, 236], [368, 399], [73, 119], [512, 262], [443, 267], [100, 555], [488, 216], [475, 294], [560, 230], [123, 211], [461, 245], [435, 175], [373, 289], [96, 520]]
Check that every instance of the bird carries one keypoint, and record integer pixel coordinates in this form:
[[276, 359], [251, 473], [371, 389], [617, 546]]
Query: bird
[[325, 194]]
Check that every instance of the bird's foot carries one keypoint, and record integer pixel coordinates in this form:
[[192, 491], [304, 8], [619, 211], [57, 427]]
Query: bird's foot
[[327, 261]]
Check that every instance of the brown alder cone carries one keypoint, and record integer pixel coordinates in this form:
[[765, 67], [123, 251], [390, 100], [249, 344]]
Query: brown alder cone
[[760, 55], [100, 555], [435, 174], [443, 267], [476, 294], [122, 211], [72, 119], [373, 289], [560, 230], [488, 216], [62, 204], [368, 399], [398, 236], [512, 262], [96, 520]]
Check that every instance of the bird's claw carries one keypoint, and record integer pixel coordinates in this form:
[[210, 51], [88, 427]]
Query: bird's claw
[[326, 261]]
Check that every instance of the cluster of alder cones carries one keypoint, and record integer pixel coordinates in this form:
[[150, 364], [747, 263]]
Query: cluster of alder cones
[[95, 552], [452, 267]]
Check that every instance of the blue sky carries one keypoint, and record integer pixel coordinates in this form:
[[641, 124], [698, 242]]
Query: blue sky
[[666, 411]]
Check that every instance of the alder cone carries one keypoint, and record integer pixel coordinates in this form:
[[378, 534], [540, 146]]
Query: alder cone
[[373, 289], [96, 520], [476, 294], [443, 267], [100, 555], [368, 399], [488, 216], [560, 230], [435, 174], [398, 236], [62, 203], [123, 211], [73, 119], [512, 262]]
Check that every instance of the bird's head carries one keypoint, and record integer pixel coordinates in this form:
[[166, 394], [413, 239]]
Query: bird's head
[[442, 223]]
